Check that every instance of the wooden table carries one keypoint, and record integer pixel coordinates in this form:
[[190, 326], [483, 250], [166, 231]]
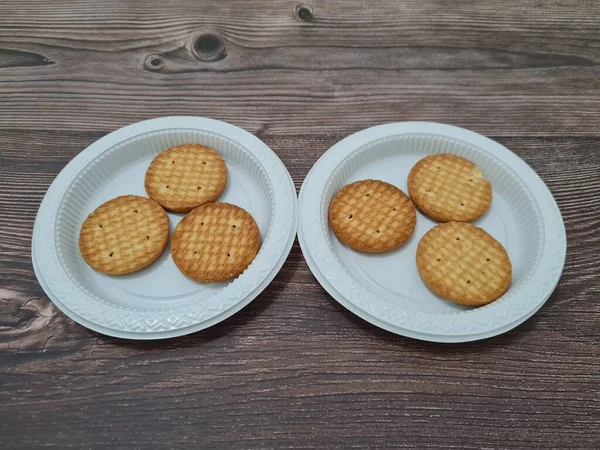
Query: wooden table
[[295, 369]]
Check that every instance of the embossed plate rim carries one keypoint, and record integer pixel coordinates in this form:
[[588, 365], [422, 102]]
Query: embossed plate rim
[[56, 283], [486, 322]]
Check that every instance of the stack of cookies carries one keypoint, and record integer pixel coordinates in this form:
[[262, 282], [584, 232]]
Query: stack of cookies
[[213, 242], [457, 260]]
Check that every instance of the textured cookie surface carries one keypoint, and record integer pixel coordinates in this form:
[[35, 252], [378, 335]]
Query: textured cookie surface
[[372, 216], [449, 188], [463, 263], [215, 242], [186, 176], [124, 235]]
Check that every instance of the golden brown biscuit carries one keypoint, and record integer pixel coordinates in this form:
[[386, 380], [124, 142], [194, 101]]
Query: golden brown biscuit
[[372, 216], [186, 176], [124, 235], [215, 242], [463, 263], [449, 188]]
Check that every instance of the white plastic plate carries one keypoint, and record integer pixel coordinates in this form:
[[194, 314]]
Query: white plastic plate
[[386, 289], [159, 302]]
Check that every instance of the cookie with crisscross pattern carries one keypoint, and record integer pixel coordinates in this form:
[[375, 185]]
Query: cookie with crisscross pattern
[[372, 216], [215, 242], [124, 235], [449, 188], [463, 263], [186, 176]]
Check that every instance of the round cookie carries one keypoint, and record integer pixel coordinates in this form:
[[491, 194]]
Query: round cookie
[[124, 235], [372, 216], [449, 188], [463, 263], [215, 242], [186, 176]]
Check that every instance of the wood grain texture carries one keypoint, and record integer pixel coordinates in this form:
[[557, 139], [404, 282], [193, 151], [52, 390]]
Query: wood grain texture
[[294, 369], [352, 64]]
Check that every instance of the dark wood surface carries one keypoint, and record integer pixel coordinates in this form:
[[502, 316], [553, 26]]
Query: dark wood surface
[[294, 369]]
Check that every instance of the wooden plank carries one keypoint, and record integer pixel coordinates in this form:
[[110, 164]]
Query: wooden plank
[[524, 70], [537, 384]]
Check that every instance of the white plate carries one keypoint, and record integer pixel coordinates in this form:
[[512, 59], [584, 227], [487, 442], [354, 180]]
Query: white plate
[[159, 302], [386, 289]]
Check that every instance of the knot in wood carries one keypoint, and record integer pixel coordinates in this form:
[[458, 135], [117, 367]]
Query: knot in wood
[[304, 13], [209, 47], [154, 62]]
